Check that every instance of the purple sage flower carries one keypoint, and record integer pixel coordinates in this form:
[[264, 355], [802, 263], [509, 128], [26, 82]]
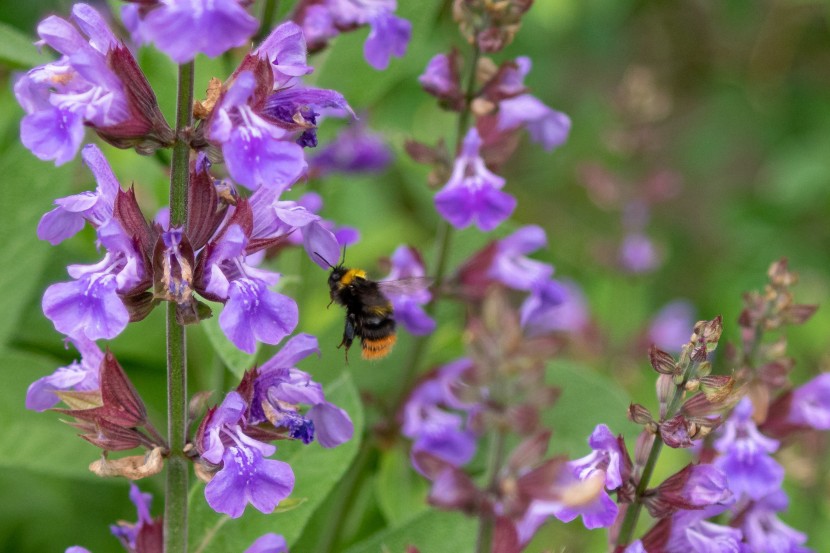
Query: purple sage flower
[[246, 475], [554, 306], [183, 28], [473, 193], [355, 150], [764, 531], [606, 462], [269, 543], [254, 149], [59, 97], [96, 207], [281, 386], [745, 455], [388, 35], [637, 254], [408, 297], [669, 329], [810, 404], [512, 267], [429, 421], [128, 534], [79, 376], [91, 305], [690, 532], [252, 311]]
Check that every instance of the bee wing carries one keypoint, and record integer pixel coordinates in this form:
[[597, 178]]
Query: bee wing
[[404, 286]]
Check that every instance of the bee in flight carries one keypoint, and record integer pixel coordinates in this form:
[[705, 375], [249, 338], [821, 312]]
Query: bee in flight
[[369, 312]]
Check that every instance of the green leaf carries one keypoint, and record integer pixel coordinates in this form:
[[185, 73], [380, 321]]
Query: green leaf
[[17, 49], [401, 492], [431, 531], [316, 470], [38, 442], [30, 186], [236, 360], [587, 399]]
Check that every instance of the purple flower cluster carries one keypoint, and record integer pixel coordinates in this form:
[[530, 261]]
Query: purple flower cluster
[[184, 28], [233, 437], [96, 82], [437, 421], [473, 192], [389, 35]]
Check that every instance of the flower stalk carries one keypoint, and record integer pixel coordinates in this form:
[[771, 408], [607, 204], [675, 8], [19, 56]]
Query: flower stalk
[[175, 512]]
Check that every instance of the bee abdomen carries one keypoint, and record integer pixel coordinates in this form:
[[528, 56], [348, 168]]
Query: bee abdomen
[[377, 348]]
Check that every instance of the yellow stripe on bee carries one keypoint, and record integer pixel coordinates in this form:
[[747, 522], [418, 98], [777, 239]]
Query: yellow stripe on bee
[[352, 274]]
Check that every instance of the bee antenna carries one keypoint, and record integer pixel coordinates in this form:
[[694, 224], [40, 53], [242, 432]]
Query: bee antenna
[[343, 261], [324, 260]]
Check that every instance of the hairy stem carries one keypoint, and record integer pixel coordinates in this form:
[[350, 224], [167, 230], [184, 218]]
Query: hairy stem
[[486, 522], [175, 509], [444, 236], [633, 512]]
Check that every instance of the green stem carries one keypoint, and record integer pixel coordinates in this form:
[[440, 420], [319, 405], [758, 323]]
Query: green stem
[[175, 509], [486, 523], [444, 235], [269, 11], [633, 512]]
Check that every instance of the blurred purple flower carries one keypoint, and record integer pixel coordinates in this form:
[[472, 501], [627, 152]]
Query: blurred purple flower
[[637, 254], [694, 487], [512, 267], [408, 297], [128, 534], [438, 78], [389, 35], [355, 150], [558, 306], [810, 403], [690, 532], [96, 207], [546, 126], [282, 386], [606, 462], [269, 543], [745, 455], [183, 28], [473, 193], [433, 427], [80, 87], [669, 328], [764, 531], [79, 376]]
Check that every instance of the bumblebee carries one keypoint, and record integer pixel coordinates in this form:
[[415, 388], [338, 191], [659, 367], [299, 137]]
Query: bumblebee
[[369, 313]]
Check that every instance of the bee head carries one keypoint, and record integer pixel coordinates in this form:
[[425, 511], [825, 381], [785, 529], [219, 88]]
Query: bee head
[[336, 276]]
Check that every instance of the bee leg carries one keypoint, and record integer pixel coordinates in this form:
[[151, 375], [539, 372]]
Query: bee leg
[[348, 335]]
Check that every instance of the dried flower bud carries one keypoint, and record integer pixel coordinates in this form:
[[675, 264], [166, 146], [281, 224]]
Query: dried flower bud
[[639, 414], [799, 314], [492, 25], [675, 433], [665, 385], [780, 275], [717, 388], [134, 467], [692, 385], [661, 361]]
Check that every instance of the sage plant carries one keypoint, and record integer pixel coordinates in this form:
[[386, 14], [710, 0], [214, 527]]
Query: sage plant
[[234, 154]]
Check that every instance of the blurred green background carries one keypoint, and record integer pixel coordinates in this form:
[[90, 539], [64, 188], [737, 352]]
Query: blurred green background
[[716, 114]]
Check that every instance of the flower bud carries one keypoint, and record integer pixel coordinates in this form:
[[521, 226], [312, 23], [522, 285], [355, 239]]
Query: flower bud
[[639, 414], [661, 361]]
